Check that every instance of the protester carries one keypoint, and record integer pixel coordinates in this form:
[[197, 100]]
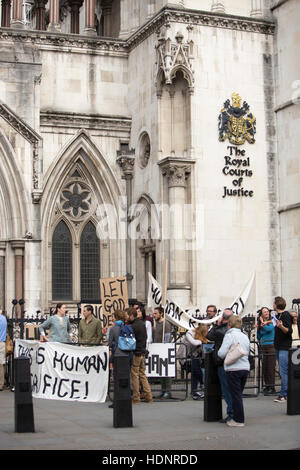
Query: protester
[[211, 312], [3, 333], [265, 335], [296, 329], [59, 326], [196, 338], [282, 344], [237, 372], [142, 314], [158, 315], [216, 334], [89, 330], [138, 367], [119, 319]]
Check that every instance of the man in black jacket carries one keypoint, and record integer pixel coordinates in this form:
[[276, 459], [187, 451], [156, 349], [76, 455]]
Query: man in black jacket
[[138, 367], [282, 344], [216, 334]]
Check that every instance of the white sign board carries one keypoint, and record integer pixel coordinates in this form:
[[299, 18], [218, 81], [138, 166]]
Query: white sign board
[[161, 360], [65, 372]]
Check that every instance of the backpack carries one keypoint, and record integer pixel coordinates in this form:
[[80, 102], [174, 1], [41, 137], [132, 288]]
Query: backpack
[[126, 340]]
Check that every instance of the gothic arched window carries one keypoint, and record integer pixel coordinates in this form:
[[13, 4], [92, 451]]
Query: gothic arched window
[[62, 263], [89, 263]]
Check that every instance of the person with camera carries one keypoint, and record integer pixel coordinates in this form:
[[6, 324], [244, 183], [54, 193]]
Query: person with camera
[[216, 334]]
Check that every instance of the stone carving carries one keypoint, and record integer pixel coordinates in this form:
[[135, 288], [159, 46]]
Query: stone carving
[[34, 139], [75, 200], [177, 173], [174, 55]]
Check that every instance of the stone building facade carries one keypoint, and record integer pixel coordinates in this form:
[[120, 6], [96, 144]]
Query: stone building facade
[[136, 131]]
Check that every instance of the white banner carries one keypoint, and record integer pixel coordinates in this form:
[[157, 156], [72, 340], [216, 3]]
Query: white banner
[[65, 372], [184, 317], [161, 360]]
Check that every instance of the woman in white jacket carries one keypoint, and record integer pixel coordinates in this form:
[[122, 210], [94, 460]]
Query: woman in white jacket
[[237, 372]]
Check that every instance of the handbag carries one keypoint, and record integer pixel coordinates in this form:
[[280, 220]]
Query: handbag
[[9, 345], [236, 351]]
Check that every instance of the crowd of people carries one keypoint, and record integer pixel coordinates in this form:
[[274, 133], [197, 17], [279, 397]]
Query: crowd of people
[[276, 330]]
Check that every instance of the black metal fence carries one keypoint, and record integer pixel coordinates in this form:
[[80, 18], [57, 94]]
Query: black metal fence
[[27, 327]]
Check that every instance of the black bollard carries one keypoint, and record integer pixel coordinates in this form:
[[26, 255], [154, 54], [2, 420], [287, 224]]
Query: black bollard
[[212, 391], [122, 393], [293, 397], [24, 421]]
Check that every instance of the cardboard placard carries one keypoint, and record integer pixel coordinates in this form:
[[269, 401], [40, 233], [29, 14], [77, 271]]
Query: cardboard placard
[[114, 295]]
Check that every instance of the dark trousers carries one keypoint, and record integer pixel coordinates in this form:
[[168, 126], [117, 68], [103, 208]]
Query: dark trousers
[[268, 365], [236, 382], [196, 375]]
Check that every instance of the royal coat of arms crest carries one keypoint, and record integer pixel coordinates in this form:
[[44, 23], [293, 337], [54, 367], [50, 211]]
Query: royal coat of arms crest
[[236, 123]]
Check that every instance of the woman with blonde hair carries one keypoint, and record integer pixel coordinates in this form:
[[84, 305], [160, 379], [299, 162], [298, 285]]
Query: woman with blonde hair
[[195, 340]]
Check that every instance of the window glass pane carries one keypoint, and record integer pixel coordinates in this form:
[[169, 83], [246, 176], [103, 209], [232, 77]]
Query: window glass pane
[[62, 263], [89, 264]]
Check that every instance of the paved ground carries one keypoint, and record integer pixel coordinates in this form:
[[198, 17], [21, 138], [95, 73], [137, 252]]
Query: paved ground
[[172, 425]]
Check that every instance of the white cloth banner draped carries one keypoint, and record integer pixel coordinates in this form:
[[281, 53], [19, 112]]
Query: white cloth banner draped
[[65, 372], [184, 317]]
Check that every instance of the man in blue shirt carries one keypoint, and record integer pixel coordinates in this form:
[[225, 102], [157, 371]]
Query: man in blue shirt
[[3, 330]]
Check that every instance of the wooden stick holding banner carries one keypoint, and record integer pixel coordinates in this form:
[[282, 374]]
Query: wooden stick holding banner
[[164, 293]]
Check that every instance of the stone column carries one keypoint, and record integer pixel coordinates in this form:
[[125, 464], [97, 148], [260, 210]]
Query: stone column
[[2, 275], [218, 6], [90, 28], [177, 171], [18, 247], [54, 23], [75, 7], [17, 15], [126, 162], [256, 9], [5, 16], [106, 6], [40, 15]]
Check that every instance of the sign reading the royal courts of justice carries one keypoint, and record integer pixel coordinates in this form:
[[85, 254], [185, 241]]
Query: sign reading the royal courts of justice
[[238, 125]]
